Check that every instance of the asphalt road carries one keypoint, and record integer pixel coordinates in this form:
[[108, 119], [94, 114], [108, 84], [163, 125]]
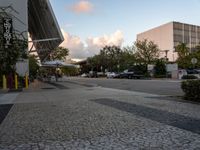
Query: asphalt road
[[160, 87]]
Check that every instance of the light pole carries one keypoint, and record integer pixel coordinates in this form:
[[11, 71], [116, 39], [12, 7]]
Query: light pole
[[166, 53], [166, 59]]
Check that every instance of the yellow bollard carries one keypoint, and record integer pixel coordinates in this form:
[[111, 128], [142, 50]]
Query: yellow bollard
[[4, 82], [16, 82], [26, 81]]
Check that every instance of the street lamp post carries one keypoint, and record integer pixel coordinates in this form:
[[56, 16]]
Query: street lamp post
[[166, 59]]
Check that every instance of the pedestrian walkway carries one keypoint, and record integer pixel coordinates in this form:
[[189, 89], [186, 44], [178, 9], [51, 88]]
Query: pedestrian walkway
[[8, 98], [88, 117]]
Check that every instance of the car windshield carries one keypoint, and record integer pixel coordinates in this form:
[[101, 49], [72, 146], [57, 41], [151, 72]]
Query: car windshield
[[125, 71]]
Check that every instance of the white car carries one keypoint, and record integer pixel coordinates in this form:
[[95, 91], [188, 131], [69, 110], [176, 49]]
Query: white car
[[84, 75], [111, 75]]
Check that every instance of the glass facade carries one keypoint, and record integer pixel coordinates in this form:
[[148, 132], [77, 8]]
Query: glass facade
[[185, 33]]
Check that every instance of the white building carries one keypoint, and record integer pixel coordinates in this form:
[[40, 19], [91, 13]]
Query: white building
[[169, 35]]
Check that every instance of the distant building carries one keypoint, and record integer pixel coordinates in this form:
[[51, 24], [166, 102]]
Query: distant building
[[169, 35]]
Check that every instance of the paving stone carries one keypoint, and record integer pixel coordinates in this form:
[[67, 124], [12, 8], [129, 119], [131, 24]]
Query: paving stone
[[68, 119]]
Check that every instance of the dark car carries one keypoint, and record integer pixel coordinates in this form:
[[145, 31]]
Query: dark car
[[193, 71], [131, 74]]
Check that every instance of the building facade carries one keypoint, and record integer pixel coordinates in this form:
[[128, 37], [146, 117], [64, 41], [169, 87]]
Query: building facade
[[169, 35], [30, 18]]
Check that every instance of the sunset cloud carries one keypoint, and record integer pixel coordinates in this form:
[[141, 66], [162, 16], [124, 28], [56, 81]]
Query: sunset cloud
[[92, 45], [74, 44], [82, 6]]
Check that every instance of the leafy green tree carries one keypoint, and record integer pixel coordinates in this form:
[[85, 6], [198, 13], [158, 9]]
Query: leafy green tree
[[70, 71], [160, 68], [182, 50], [113, 58], [60, 53], [111, 55], [146, 52], [184, 57], [127, 58], [33, 66], [108, 58]]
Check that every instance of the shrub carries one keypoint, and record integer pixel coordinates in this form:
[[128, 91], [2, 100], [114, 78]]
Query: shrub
[[160, 68], [191, 88], [160, 76], [189, 77]]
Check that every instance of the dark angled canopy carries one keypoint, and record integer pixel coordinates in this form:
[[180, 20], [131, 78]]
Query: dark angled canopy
[[43, 27]]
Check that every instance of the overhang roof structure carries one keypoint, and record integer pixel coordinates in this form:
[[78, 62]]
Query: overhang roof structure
[[82, 62], [43, 27]]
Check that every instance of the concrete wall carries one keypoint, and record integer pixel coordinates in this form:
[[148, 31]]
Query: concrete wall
[[20, 19], [163, 37], [19, 16]]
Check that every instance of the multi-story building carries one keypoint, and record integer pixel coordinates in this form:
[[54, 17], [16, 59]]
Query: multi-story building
[[169, 35]]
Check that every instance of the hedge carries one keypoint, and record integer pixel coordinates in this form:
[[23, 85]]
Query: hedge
[[191, 88], [189, 77]]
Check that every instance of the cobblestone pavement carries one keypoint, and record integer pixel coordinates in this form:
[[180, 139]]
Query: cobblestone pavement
[[80, 117]]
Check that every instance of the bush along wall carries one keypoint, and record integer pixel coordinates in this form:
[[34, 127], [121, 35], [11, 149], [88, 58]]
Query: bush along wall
[[191, 88], [189, 77]]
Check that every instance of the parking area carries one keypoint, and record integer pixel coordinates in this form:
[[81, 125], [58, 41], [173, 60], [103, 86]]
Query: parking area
[[153, 86]]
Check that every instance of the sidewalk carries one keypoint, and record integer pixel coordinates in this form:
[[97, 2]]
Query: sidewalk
[[81, 117]]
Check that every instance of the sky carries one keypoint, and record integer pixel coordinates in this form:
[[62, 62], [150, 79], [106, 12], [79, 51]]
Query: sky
[[89, 25]]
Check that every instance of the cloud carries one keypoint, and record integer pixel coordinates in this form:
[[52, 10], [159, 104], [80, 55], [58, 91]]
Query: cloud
[[82, 6], [96, 43], [92, 45], [74, 44]]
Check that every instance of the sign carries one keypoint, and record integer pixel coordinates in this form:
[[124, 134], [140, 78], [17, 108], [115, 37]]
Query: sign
[[7, 32], [150, 67], [171, 67], [193, 61], [22, 67]]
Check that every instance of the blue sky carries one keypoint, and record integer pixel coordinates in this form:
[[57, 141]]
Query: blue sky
[[130, 17]]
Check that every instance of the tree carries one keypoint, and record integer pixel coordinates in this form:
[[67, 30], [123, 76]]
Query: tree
[[70, 71], [111, 56], [108, 58], [60, 53], [127, 58], [33, 66], [160, 68], [184, 57], [182, 50], [146, 51]]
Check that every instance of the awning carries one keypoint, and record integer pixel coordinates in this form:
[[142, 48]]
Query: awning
[[43, 27], [56, 64]]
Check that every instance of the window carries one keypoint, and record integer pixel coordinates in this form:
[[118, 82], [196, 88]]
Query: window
[[178, 26]]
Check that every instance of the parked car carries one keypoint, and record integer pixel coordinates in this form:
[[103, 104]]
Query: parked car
[[100, 74], [131, 74], [194, 72], [84, 75], [93, 74], [112, 75]]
